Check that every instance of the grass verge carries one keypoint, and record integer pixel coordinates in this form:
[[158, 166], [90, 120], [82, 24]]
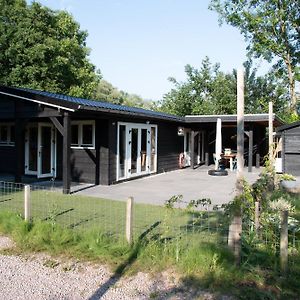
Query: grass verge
[[203, 263]]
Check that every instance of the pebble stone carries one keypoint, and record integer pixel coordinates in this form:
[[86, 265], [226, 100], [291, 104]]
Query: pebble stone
[[41, 277]]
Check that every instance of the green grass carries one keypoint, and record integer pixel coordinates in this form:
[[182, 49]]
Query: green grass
[[82, 213], [191, 243]]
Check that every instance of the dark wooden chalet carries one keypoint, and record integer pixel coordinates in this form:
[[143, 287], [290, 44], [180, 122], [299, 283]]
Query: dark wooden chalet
[[49, 135], [290, 148]]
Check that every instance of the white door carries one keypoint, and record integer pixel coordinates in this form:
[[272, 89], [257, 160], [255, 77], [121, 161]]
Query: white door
[[46, 151], [31, 150], [40, 154], [136, 150]]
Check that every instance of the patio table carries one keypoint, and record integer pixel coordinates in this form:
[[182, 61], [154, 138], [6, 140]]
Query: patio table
[[229, 157]]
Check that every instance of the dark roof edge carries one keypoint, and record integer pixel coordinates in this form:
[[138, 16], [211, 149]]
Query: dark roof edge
[[136, 114], [232, 118], [51, 100], [25, 95], [288, 126]]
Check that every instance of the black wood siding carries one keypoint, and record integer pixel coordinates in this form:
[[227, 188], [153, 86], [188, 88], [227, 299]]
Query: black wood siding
[[169, 146], [8, 159], [291, 151], [88, 165]]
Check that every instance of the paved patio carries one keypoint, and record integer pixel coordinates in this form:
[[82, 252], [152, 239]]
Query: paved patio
[[192, 184], [156, 189]]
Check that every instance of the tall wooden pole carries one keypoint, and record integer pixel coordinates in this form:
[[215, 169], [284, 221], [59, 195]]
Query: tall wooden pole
[[235, 229], [240, 132], [66, 154], [271, 134]]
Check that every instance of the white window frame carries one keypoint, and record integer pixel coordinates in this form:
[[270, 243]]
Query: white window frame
[[80, 124], [139, 126], [8, 141]]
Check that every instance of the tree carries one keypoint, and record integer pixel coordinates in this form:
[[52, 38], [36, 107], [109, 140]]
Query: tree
[[260, 90], [206, 91], [272, 29], [44, 49], [105, 91], [210, 91]]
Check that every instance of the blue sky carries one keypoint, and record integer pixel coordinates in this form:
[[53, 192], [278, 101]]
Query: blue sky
[[138, 44]]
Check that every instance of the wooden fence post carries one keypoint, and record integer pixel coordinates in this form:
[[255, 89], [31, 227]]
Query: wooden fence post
[[129, 221], [234, 238], [27, 213], [284, 242]]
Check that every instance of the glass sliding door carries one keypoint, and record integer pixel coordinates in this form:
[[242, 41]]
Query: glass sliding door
[[133, 149], [136, 150], [143, 156], [31, 150], [40, 154], [153, 149]]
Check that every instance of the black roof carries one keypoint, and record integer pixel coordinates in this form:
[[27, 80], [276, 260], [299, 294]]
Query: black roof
[[76, 103], [288, 126], [232, 118]]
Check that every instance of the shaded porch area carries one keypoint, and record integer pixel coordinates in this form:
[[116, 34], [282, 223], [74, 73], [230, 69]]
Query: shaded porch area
[[200, 132]]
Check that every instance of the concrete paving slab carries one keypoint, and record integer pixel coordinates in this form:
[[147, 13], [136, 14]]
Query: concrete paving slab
[[191, 184]]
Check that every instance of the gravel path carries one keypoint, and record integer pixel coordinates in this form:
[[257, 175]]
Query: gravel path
[[41, 277]]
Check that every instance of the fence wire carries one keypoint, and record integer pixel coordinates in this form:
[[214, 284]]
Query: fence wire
[[156, 223]]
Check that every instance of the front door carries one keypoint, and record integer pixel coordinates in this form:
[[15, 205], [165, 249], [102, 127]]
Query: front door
[[138, 139], [40, 150], [136, 150]]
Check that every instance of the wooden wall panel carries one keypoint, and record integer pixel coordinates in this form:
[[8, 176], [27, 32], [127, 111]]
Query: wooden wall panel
[[8, 159]]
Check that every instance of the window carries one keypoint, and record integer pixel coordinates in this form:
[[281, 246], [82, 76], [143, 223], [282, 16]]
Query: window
[[7, 134], [83, 134], [74, 135]]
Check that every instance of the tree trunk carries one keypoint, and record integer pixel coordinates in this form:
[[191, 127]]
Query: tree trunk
[[291, 78]]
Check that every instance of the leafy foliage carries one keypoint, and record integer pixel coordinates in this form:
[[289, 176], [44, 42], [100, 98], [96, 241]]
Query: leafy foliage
[[44, 49], [271, 29], [210, 91], [105, 91]]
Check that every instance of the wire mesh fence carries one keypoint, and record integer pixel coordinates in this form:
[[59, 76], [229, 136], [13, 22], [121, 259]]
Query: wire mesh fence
[[183, 226], [108, 216]]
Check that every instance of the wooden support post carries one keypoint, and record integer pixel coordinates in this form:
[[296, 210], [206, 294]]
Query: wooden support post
[[206, 158], [284, 242], [271, 134], [257, 163], [129, 220], [192, 149], [235, 229], [240, 130], [257, 216], [250, 151], [27, 212], [67, 154]]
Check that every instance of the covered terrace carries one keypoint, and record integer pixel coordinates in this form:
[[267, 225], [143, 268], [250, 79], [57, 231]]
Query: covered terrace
[[256, 138]]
